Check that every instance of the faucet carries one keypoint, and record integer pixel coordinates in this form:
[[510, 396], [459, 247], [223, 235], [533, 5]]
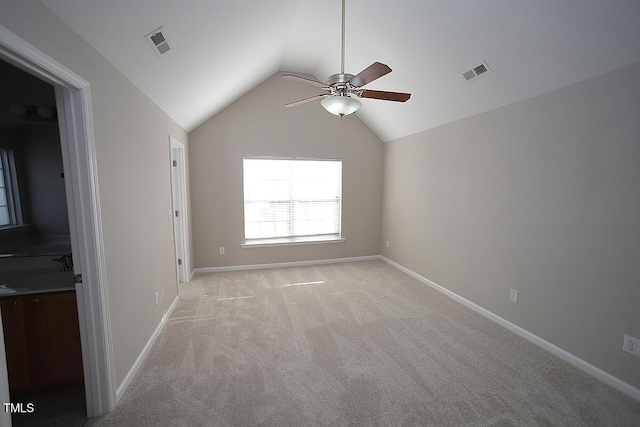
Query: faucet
[[67, 262]]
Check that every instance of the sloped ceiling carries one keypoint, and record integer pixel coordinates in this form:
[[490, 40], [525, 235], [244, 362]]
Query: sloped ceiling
[[222, 49]]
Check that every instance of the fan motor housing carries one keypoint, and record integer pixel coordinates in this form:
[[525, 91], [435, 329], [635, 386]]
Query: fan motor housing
[[339, 78]]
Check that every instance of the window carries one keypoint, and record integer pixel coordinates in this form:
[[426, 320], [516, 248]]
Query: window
[[292, 200], [9, 201]]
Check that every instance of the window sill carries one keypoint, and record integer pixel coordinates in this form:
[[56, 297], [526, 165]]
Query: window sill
[[14, 227], [292, 241]]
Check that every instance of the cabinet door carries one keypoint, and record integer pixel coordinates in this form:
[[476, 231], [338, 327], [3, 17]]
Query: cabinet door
[[56, 353], [15, 338]]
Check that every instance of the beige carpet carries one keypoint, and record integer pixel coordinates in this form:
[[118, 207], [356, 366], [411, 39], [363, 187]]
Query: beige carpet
[[350, 344]]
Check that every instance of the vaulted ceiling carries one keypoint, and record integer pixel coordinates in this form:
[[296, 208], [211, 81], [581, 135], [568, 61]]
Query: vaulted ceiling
[[222, 49]]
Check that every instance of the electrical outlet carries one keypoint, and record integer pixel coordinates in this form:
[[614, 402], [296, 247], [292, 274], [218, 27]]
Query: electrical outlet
[[513, 295], [156, 298], [631, 345], [221, 250], [387, 243]]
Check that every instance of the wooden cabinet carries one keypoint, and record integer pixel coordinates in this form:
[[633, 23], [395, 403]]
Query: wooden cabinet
[[15, 339], [42, 341]]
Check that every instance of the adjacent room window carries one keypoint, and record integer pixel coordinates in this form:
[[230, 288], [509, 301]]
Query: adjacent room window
[[292, 200], [9, 202]]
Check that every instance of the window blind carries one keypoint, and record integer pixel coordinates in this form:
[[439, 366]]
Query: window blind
[[292, 197], [5, 180]]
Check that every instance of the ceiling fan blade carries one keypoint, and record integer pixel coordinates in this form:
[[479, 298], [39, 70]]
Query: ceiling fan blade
[[386, 96], [304, 80], [304, 101], [369, 74]]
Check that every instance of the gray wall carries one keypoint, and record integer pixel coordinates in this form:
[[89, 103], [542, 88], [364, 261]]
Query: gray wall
[[38, 156], [540, 196], [132, 143], [258, 125], [42, 159]]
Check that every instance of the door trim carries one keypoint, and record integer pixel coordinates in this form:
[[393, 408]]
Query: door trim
[[5, 417], [184, 272], [73, 99]]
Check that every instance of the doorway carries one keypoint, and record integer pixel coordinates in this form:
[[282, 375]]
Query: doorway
[[38, 300], [73, 103], [179, 202]]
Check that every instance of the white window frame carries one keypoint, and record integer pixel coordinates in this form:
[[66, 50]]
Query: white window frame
[[8, 165], [293, 240]]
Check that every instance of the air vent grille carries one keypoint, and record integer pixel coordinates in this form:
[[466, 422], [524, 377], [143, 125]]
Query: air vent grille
[[480, 69], [475, 72], [469, 75], [158, 41]]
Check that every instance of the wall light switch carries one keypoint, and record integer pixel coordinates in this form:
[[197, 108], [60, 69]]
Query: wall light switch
[[221, 250], [513, 295], [631, 345]]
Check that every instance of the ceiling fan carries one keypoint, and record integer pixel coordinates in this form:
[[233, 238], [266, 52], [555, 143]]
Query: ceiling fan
[[344, 89]]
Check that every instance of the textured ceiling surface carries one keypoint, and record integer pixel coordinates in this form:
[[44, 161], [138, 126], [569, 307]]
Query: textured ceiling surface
[[222, 49]]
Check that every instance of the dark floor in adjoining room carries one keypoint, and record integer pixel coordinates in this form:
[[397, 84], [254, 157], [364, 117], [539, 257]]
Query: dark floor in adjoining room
[[57, 409]]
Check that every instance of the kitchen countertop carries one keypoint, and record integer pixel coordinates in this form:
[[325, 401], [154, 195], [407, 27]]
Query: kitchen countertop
[[19, 282]]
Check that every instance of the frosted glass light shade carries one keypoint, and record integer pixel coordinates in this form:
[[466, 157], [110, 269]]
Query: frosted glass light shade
[[340, 105], [17, 109], [44, 112]]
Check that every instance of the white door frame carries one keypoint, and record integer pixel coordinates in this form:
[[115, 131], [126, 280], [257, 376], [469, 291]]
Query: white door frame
[[5, 417], [73, 99], [179, 203]]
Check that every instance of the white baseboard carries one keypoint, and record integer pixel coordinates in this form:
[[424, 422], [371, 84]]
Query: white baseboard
[[615, 382], [282, 264], [143, 354]]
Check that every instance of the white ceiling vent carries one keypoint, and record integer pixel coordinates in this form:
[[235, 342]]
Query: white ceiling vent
[[158, 41], [477, 71]]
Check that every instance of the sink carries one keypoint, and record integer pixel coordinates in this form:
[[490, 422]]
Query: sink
[[6, 290]]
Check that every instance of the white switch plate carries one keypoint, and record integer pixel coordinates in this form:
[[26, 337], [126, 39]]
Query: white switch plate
[[631, 345], [156, 298], [513, 295], [387, 243], [221, 250]]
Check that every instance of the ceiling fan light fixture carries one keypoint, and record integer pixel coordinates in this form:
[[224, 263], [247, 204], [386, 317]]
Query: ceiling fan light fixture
[[345, 89], [341, 105]]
